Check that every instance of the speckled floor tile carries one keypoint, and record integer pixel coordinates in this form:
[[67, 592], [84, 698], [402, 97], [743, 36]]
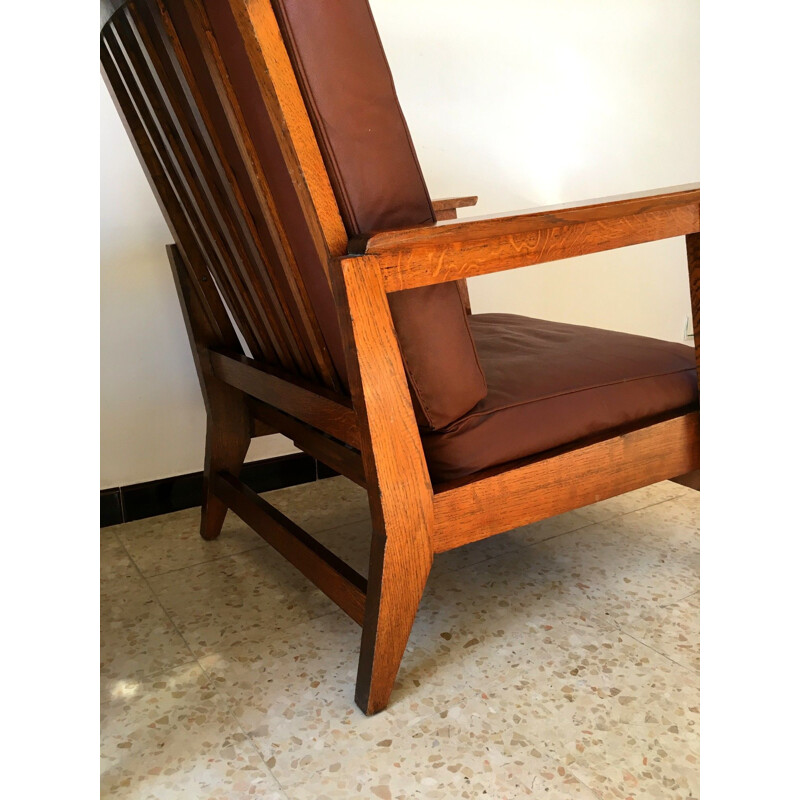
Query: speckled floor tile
[[632, 501], [172, 541], [172, 737], [295, 699], [597, 697], [558, 660], [243, 598], [115, 563], [137, 638], [674, 523], [350, 542], [445, 756], [323, 504], [672, 629]]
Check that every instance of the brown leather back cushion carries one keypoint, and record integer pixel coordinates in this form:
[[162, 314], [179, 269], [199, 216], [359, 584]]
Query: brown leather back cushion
[[349, 92]]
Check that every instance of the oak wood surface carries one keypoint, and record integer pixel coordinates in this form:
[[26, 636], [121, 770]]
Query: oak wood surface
[[401, 498], [324, 411], [325, 569], [316, 443], [452, 203], [284, 101], [551, 484], [228, 421], [232, 263], [444, 209], [457, 249]]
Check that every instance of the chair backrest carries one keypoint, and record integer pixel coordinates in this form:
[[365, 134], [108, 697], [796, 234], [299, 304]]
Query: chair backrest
[[271, 132]]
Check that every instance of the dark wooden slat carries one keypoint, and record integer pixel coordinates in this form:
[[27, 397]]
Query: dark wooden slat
[[345, 461], [265, 216], [553, 484], [284, 102], [456, 249], [324, 569], [180, 196], [225, 204], [179, 146], [305, 402], [165, 195]]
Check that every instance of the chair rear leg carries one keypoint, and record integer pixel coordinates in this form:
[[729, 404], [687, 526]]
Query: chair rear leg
[[228, 432], [229, 424], [397, 575]]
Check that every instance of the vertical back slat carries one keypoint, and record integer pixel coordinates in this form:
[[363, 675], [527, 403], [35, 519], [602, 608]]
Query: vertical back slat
[[252, 187], [207, 240], [215, 195], [284, 102]]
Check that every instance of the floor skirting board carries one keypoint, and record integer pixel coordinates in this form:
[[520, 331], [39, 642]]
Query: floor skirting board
[[140, 500]]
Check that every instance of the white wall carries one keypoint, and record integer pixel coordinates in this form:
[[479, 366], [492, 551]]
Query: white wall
[[522, 102]]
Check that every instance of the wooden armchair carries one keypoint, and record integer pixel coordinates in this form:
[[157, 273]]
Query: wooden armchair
[[324, 301]]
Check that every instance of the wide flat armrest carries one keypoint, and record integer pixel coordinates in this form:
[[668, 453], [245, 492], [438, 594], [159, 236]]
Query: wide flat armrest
[[455, 249]]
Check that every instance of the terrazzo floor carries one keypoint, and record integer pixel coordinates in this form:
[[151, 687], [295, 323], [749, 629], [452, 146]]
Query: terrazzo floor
[[559, 660]]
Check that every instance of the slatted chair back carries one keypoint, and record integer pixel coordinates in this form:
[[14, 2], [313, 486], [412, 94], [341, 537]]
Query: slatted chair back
[[250, 240]]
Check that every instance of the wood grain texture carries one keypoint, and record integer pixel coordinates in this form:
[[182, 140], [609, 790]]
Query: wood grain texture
[[282, 96], [277, 262], [554, 483], [228, 422], [316, 443], [401, 499], [447, 208], [453, 250], [325, 411], [693, 262], [337, 579], [452, 203]]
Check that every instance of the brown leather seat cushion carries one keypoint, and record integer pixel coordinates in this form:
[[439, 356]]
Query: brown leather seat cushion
[[550, 384], [350, 96]]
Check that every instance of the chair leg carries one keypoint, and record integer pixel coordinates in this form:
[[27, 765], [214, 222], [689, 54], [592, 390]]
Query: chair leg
[[229, 427], [227, 441], [397, 576]]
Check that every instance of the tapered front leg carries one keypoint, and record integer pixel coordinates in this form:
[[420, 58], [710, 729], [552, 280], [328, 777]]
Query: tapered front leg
[[401, 498]]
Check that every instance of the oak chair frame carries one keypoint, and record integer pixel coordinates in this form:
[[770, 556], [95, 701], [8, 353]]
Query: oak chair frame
[[370, 436]]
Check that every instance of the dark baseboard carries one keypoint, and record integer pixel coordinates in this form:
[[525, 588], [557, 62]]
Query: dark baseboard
[[140, 500]]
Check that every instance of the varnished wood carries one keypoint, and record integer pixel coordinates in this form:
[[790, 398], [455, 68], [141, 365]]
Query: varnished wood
[[229, 425], [401, 499], [344, 460], [693, 261], [445, 209], [449, 251], [278, 259], [690, 479], [553, 483], [324, 411], [325, 569], [284, 101], [448, 204], [232, 263]]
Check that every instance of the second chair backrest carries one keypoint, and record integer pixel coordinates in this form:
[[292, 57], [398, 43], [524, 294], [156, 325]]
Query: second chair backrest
[[271, 132]]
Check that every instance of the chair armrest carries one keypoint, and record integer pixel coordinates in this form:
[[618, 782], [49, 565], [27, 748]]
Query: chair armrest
[[455, 249], [446, 207]]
